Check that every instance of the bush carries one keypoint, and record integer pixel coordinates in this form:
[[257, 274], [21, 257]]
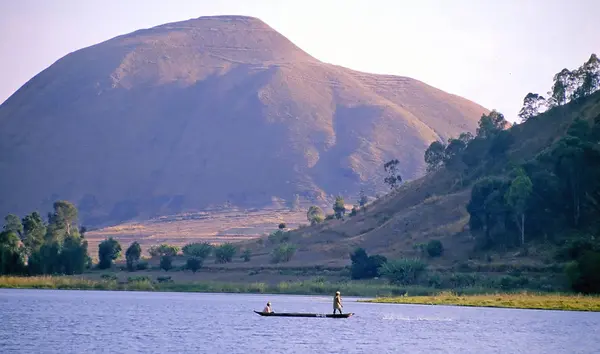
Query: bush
[[194, 263], [225, 252], [163, 250], [198, 250], [283, 253], [108, 276], [164, 279], [247, 255], [435, 248], [403, 271], [281, 226], [143, 265], [166, 262], [279, 236], [584, 274], [364, 266], [140, 278]]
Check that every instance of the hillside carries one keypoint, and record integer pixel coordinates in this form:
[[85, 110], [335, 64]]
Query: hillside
[[194, 114], [435, 207]]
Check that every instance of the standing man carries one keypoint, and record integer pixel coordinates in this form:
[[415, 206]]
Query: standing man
[[337, 302]]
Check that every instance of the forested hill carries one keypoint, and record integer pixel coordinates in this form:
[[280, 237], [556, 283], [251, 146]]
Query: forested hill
[[526, 195]]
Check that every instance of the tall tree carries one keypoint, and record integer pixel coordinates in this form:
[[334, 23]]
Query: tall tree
[[517, 198], [434, 155], [339, 208], [13, 223], [563, 87], [532, 106], [393, 179], [132, 255], [588, 77], [491, 124], [362, 198], [65, 215], [34, 231]]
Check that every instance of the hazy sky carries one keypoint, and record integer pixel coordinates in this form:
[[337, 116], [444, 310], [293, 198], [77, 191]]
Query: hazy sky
[[490, 51]]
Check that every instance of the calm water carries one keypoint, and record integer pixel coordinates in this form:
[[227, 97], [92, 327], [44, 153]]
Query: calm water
[[48, 321]]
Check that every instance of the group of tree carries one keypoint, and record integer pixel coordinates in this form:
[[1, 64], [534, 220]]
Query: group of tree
[[32, 245], [568, 85]]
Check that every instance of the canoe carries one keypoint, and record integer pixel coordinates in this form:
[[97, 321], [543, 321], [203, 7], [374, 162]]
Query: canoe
[[295, 314]]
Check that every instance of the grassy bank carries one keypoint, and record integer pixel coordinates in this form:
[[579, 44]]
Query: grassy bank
[[517, 300], [141, 283]]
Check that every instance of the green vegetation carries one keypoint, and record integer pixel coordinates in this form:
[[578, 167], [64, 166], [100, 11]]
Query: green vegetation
[[339, 208], [225, 252], [365, 266], [132, 255], [198, 250], [519, 300], [393, 179], [247, 255], [283, 253], [315, 215], [108, 251], [435, 248]]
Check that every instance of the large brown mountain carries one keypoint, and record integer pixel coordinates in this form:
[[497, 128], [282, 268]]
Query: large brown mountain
[[190, 114]]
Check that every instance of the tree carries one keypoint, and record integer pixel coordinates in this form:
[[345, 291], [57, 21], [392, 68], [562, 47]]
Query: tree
[[225, 252], [434, 155], [163, 250], [491, 124], [132, 255], [65, 215], [34, 231], [532, 104], [11, 254], [166, 262], [12, 223], [588, 77], [364, 266], [362, 198], [194, 263], [283, 253], [487, 207], [435, 248], [198, 250], [517, 197], [74, 254], [393, 179], [108, 251], [563, 88], [315, 215], [339, 208]]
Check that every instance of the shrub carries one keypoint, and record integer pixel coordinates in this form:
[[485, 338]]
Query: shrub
[[194, 263], [584, 274], [279, 236], [225, 252], [108, 276], [283, 253], [163, 250], [364, 266], [330, 217], [403, 271], [166, 262], [143, 265], [164, 279], [132, 255], [139, 278], [435, 248], [246, 255], [281, 226], [198, 250]]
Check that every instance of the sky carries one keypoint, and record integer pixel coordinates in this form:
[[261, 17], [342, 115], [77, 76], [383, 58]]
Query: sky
[[492, 52]]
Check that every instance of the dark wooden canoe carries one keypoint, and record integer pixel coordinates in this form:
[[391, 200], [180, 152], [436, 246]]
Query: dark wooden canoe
[[292, 314]]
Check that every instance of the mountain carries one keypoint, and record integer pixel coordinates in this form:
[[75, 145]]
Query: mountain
[[192, 114]]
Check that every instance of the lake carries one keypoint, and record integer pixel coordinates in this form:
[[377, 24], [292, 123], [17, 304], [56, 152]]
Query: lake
[[55, 321]]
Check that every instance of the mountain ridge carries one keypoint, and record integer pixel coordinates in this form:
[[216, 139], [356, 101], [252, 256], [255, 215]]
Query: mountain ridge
[[193, 113]]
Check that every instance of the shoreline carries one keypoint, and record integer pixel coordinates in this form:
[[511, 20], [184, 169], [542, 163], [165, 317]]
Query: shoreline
[[370, 293], [523, 300]]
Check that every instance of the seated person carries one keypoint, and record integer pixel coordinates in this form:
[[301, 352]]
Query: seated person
[[268, 309]]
